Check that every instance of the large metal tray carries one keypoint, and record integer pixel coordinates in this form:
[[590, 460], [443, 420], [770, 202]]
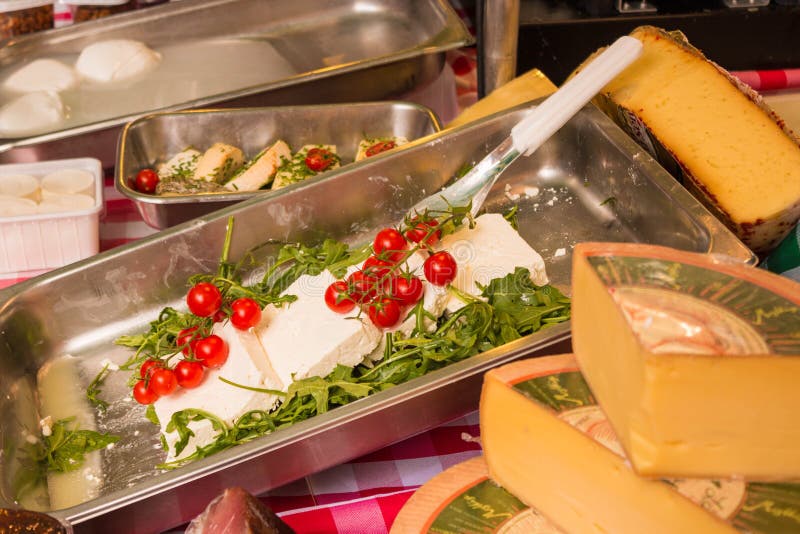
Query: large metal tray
[[341, 50], [156, 137], [81, 308]]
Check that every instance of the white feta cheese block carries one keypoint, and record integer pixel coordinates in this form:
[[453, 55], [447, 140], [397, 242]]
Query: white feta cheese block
[[116, 60], [305, 338], [31, 113], [365, 144], [262, 170], [183, 162], [218, 163], [42, 75], [492, 249], [247, 365]]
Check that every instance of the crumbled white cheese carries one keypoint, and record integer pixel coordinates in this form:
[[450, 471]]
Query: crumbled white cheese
[[108, 363], [560, 252], [531, 191], [46, 425]]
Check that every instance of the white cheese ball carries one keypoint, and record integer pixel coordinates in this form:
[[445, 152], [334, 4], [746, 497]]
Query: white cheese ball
[[31, 113], [116, 60], [42, 75], [14, 206]]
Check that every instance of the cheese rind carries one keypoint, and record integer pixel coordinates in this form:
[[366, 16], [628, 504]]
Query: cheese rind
[[695, 361], [733, 152], [464, 499], [546, 440]]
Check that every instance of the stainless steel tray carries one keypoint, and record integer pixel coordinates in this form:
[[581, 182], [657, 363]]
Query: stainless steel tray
[[341, 51], [81, 308], [157, 137]]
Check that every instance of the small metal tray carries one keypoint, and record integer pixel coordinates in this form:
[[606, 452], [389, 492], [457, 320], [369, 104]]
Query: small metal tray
[[589, 182], [157, 137], [337, 51]]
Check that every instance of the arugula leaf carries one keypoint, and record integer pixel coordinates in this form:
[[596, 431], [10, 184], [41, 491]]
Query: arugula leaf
[[93, 390], [150, 414], [62, 451]]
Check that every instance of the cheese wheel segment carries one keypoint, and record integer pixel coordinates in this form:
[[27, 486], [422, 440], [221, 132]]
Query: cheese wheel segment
[[733, 153], [695, 361], [547, 441]]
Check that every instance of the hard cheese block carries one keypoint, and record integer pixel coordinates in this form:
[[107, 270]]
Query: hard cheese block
[[695, 361], [464, 499], [734, 154], [546, 440]]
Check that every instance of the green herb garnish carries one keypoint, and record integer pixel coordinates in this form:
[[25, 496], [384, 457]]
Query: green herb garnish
[[93, 390]]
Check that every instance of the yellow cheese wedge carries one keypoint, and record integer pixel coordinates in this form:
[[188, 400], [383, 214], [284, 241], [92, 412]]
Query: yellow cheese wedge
[[733, 153], [464, 499], [547, 441], [695, 361], [218, 163], [529, 86]]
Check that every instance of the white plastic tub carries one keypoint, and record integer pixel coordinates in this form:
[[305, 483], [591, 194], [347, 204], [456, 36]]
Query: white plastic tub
[[50, 240]]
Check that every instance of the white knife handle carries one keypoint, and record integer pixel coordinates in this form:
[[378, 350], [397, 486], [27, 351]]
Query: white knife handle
[[553, 113]]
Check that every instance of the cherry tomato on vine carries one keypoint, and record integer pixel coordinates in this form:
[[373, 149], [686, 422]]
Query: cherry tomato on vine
[[186, 339], [204, 299], [375, 267], [421, 229], [163, 381], [212, 351], [384, 313], [319, 159], [337, 299], [389, 244], [380, 146], [146, 181], [189, 374], [407, 290], [143, 394], [148, 367], [440, 268], [361, 287], [245, 313]]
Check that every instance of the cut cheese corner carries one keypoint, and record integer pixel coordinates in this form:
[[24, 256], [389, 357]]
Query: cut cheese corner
[[695, 361]]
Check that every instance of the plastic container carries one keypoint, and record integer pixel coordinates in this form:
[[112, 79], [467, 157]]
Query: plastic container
[[18, 17], [52, 239], [97, 9]]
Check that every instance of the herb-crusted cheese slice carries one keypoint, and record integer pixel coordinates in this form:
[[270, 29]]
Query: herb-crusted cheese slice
[[296, 170], [247, 365], [734, 154], [464, 499], [376, 145], [218, 163], [547, 441], [695, 361], [261, 170], [182, 164], [305, 338]]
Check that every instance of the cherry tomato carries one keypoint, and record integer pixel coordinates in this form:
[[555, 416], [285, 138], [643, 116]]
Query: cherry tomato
[[245, 313], [148, 368], [163, 381], [186, 339], [146, 181], [407, 290], [385, 313], [361, 287], [204, 299], [375, 267], [421, 229], [212, 351], [389, 244], [189, 374], [380, 146], [440, 268], [143, 394], [337, 299], [319, 159]]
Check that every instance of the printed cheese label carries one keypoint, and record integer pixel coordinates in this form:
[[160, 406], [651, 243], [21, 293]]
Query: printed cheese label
[[749, 507], [682, 308], [486, 508]]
